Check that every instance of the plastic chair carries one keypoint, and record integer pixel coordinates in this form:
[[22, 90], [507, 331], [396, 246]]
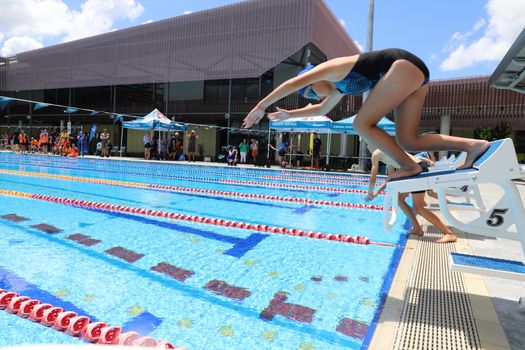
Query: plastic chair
[[114, 151], [122, 151]]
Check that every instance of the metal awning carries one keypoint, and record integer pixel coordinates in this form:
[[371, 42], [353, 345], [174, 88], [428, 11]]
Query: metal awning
[[510, 73]]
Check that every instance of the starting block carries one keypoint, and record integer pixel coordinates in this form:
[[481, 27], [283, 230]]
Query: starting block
[[505, 219]]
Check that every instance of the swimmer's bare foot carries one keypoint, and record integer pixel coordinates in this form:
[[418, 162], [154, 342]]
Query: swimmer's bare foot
[[450, 238], [414, 170], [417, 232], [476, 149]]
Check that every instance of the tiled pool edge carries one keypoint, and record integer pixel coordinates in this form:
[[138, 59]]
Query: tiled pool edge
[[490, 330], [384, 335], [488, 326]]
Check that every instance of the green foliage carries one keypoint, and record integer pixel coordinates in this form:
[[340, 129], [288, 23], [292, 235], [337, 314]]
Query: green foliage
[[500, 131]]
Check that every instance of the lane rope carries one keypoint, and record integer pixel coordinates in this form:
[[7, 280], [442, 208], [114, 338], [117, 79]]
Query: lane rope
[[180, 189], [241, 172], [195, 218], [213, 180], [71, 323]]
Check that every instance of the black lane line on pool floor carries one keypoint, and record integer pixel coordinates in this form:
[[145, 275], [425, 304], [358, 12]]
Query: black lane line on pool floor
[[197, 293]]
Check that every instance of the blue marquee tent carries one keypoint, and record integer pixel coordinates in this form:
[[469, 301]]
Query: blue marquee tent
[[319, 124], [346, 126], [156, 121]]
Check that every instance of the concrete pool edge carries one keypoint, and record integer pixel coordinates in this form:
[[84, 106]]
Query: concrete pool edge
[[481, 311]]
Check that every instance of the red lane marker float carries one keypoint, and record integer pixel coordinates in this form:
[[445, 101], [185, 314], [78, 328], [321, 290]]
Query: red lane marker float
[[180, 189], [194, 218], [71, 323]]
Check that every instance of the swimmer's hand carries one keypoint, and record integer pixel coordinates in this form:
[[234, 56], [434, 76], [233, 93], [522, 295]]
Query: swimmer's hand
[[281, 114], [253, 117], [371, 196]]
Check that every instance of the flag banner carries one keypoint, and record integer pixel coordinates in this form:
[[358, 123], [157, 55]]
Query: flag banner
[[70, 110], [4, 101], [92, 131], [40, 105]]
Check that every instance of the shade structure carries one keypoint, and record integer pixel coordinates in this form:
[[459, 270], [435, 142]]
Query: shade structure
[[319, 124], [346, 126], [154, 120]]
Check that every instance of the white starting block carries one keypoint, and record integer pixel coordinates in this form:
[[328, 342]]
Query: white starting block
[[470, 194], [506, 219]]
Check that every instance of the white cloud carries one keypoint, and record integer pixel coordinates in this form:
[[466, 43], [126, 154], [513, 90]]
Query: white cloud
[[1, 36], [148, 21], [17, 44], [359, 45], [343, 22], [187, 12], [98, 16], [505, 22], [54, 21]]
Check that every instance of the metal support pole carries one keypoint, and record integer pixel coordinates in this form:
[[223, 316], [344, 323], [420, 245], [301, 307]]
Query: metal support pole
[[229, 111], [369, 47]]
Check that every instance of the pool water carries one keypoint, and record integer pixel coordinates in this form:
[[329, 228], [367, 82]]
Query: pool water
[[197, 285]]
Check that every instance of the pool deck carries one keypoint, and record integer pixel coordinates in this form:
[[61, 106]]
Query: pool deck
[[430, 307]]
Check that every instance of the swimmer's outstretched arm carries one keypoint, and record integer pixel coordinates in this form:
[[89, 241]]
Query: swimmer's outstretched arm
[[324, 71], [310, 110]]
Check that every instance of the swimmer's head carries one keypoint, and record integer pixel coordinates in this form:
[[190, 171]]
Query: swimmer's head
[[307, 91]]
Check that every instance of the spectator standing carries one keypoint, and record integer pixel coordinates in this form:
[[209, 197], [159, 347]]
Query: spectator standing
[[82, 143], [44, 141], [147, 146], [104, 138], [191, 145], [243, 149], [22, 140], [254, 150], [316, 151]]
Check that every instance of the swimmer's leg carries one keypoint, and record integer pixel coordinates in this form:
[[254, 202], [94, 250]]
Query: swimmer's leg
[[408, 116], [419, 205], [393, 88]]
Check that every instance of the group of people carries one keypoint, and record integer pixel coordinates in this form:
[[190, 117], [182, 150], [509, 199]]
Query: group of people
[[57, 142], [244, 149], [169, 148]]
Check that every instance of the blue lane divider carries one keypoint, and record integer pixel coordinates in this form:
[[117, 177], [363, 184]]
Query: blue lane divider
[[14, 283], [144, 324], [240, 245]]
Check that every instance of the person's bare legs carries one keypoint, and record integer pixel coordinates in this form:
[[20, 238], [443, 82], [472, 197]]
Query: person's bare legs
[[419, 205], [393, 88], [408, 116], [416, 227]]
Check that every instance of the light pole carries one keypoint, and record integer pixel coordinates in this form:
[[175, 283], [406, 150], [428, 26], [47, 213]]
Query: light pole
[[363, 153], [227, 116]]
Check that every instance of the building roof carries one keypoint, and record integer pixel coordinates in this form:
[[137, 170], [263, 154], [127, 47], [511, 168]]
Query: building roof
[[235, 41], [510, 73]]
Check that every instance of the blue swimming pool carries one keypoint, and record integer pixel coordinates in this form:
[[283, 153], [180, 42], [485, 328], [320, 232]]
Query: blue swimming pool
[[194, 284]]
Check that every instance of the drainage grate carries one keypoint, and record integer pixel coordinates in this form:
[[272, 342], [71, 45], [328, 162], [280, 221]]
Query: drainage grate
[[436, 312]]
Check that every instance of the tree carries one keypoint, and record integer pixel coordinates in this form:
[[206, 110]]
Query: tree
[[500, 131]]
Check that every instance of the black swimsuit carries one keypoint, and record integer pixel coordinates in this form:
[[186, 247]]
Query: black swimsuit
[[371, 66]]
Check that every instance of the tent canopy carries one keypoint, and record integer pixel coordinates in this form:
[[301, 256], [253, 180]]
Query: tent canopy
[[346, 126], [320, 124], [155, 120]]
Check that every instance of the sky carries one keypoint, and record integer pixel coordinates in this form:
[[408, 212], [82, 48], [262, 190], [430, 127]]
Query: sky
[[456, 38]]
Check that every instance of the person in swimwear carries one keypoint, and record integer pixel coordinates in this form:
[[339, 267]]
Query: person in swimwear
[[418, 199], [397, 80]]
